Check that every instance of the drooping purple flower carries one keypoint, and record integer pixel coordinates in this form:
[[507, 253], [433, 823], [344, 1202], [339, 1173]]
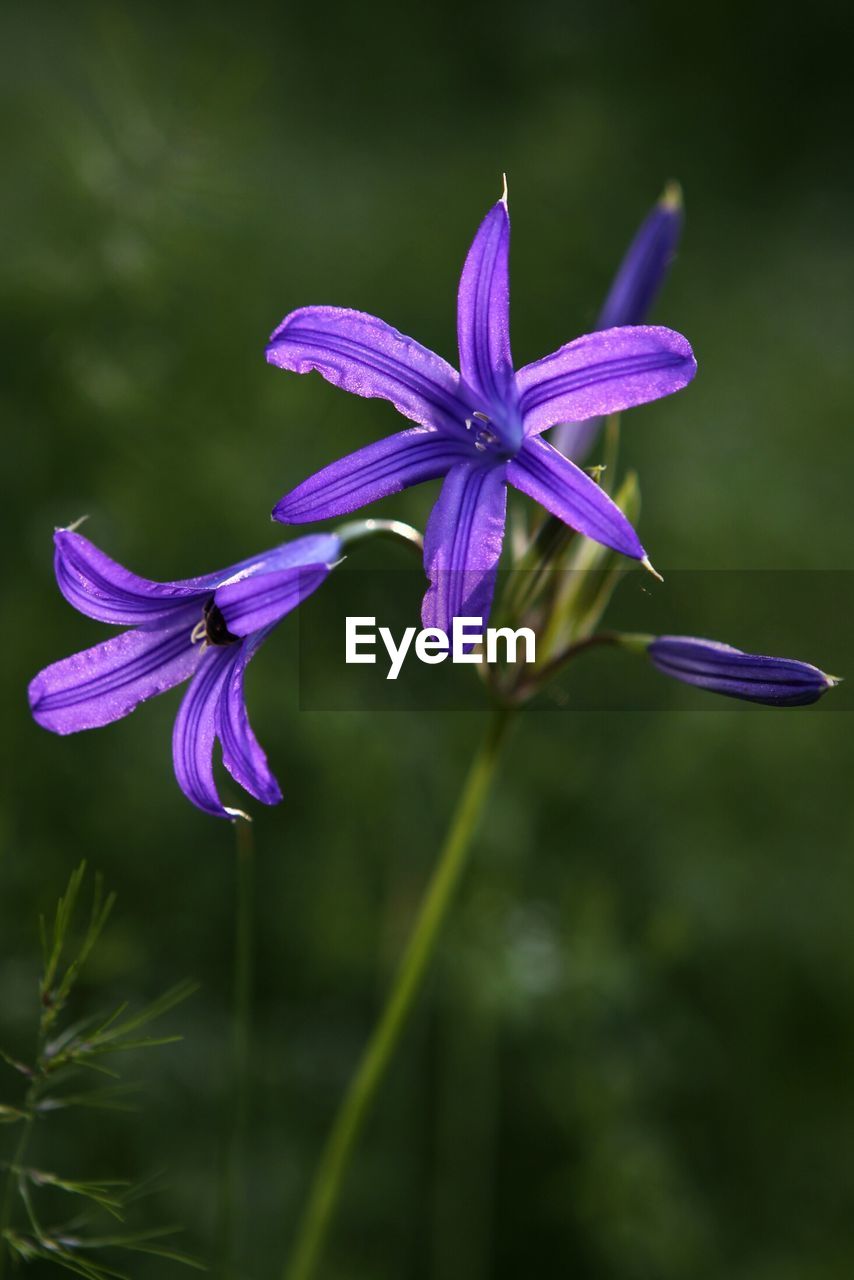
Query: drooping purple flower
[[778, 682], [204, 630], [480, 428], [635, 287]]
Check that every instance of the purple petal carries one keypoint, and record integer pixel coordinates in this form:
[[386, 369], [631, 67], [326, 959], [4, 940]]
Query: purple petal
[[570, 494], [241, 753], [102, 589], [99, 587], [369, 358], [604, 373], [263, 599], [483, 310], [311, 549], [102, 684], [214, 707], [379, 469], [195, 731], [645, 266], [777, 682], [462, 545]]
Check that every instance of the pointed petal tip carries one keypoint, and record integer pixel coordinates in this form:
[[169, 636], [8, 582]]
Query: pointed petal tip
[[237, 814], [73, 527], [503, 199], [671, 197], [647, 564], [832, 681]]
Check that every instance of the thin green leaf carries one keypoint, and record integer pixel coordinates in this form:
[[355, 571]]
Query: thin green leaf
[[101, 1191], [20, 1067], [51, 1250], [142, 1242], [106, 1099]]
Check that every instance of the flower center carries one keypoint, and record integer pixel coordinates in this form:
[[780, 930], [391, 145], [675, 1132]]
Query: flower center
[[212, 628], [484, 438]]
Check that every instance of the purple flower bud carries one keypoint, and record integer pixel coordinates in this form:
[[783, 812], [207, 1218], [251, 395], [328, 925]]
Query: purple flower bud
[[778, 682], [630, 298], [644, 268]]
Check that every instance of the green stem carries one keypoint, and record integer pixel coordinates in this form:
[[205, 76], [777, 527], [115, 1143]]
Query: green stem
[[356, 531], [233, 1194], [11, 1182], [326, 1188], [612, 451]]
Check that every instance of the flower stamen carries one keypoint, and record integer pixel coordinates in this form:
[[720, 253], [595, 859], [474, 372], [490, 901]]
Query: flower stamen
[[484, 438]]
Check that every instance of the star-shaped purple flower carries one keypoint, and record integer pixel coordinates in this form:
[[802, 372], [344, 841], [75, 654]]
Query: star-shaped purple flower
[[481, 429], [204, 630]]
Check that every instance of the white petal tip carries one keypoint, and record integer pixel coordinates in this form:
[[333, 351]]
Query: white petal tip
[[671, 196], [832, 681], [74, 526], [646, 563], [234, 814], [504, 190]]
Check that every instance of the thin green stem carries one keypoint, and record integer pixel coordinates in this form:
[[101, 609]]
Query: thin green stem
[[356, 531], [326, 1188], [12, 1180], [233, 1192], [525, 688], [612, 452]]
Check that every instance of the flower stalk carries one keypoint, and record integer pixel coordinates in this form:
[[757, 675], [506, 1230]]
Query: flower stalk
[[233, 1191], [353, 1111], [355, 531]]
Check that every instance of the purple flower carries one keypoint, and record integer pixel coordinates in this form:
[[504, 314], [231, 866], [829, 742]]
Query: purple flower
[[204, 630], [633, 291], [480, 428], [779, 682]]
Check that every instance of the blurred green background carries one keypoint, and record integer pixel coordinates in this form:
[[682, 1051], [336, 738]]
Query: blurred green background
[[634, 1056]]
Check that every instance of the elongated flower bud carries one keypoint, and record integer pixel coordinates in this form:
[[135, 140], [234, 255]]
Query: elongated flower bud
[[644, 268], [635, 287], [777, 682]]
